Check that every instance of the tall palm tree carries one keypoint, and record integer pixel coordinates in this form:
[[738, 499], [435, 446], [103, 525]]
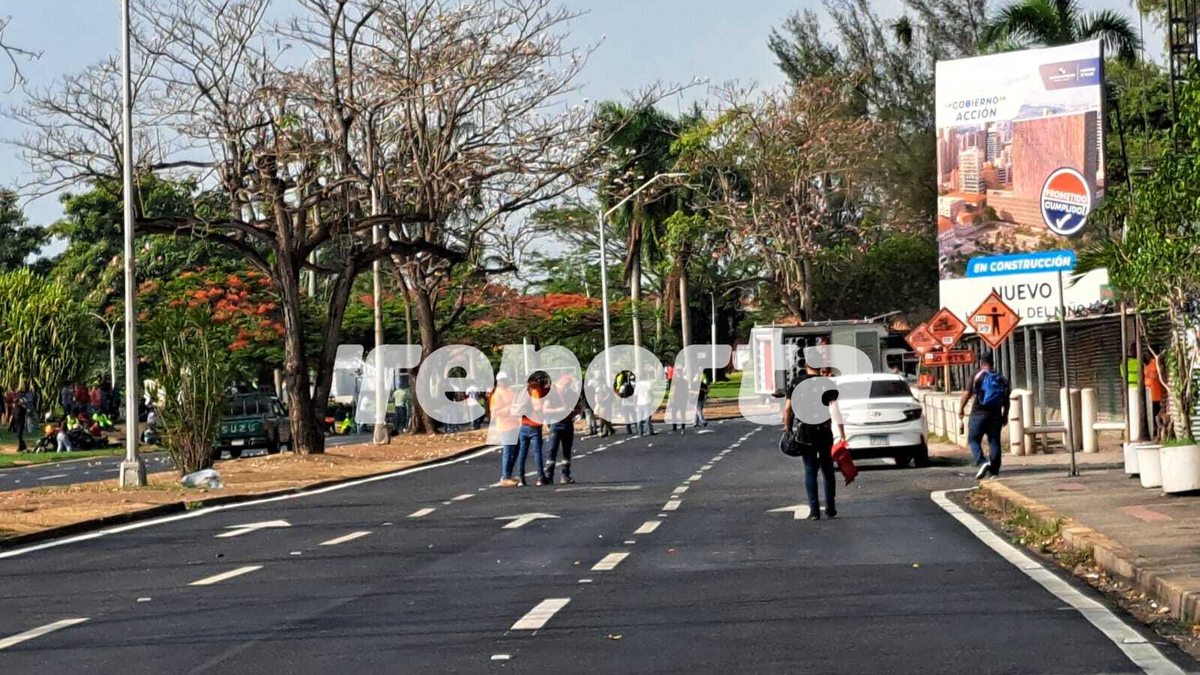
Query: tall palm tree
[[1046, 23]]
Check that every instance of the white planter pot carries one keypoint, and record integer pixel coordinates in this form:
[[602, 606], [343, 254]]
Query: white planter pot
[[1180, 468], [1150, 465], [1131, 458]]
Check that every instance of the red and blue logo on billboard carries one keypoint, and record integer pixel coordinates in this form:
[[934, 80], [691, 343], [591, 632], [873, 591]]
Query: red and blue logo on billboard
[[1066, 202]]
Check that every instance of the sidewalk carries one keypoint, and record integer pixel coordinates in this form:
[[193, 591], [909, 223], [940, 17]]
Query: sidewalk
[[1139, 535], [1106, 458]]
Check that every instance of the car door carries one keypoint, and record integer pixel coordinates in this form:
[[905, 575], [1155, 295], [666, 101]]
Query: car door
[[282, 423]]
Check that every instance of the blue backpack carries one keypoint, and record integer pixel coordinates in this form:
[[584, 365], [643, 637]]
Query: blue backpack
[[993, 390]]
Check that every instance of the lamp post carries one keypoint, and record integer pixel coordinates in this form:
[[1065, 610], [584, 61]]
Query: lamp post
[[133, 469], [713, 300], [604, 267], [112, 348]]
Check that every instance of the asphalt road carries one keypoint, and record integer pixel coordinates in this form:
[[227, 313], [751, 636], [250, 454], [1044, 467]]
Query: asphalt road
[[666, 557], [109, 468]]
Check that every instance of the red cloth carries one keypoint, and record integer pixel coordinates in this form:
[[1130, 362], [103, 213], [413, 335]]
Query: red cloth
[[841, 455]]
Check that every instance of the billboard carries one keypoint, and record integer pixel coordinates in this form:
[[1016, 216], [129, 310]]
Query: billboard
[[1020, 157]]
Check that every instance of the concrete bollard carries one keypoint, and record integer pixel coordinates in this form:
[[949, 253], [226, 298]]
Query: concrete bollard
[[1077, 417], [1134, 416], [1016, 426], [1027, 420], [1087, 426], [1071, 425]]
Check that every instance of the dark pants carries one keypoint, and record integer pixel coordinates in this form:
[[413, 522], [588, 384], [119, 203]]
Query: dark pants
[[985, 423], [562, 434], [528, 436], [822, 461]]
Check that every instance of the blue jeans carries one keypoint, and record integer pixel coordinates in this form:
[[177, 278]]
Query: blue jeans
[[985, 423], [700, 420], [645, 426], [529, 436], [822, 461], [562, 435], [508, 457]]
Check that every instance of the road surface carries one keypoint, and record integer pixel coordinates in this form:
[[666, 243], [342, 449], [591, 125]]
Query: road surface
[[670, 555]]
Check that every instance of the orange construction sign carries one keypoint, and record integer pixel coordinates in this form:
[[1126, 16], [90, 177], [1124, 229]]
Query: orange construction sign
[[994, 321], [958, 357], [946, 328], [921, 341]]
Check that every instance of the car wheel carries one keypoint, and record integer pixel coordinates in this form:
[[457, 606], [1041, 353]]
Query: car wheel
[[236, 453], [922, 456], [903, 461], [273, 447]]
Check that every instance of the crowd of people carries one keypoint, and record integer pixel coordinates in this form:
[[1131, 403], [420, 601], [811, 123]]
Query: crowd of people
[[518, 420]]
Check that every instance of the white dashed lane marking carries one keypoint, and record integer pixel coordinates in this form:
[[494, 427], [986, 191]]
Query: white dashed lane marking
[[462, 497], [694, 477], [610, 561], [217, 578], [345, 538], [421, 513], [647, 527], [539, 615], [39, 631], [671, 505], [680, 490]]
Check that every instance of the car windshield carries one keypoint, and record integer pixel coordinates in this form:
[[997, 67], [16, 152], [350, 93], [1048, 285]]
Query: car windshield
[[889, 389], [250, 405]]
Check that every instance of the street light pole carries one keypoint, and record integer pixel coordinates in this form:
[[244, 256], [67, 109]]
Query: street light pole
[[133, 469], [112, 348], [604, 268], [713, 299]]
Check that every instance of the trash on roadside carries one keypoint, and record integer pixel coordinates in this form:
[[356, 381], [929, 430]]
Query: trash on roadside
[[610, 636], [205, 478]]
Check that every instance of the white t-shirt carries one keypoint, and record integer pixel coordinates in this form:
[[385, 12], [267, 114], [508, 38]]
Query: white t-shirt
[[643, 392]]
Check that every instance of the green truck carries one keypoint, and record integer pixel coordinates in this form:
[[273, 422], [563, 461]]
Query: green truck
[[253, 421]]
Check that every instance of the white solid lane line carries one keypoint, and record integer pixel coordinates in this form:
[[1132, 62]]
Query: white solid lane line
[[38, 632], [421, 513], [345, 538], [462, 497], [57, 475], [538, 616], [610, 561], [648, 527], [217, 578], [1145, 655], [671, 505]]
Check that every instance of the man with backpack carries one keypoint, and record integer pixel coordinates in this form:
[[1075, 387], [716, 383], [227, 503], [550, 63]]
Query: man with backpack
[[988, 416]]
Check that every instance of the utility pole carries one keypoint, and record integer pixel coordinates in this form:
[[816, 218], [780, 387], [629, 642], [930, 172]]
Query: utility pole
[[133, 469]]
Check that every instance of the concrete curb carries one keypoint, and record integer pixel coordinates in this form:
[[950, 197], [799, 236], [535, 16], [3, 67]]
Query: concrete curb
[[1172, 586], [182, 506]]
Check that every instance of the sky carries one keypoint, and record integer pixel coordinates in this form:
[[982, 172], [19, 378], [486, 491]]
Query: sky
[[638, 43]]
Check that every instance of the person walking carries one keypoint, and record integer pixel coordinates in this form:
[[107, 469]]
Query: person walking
[[989, 414], [817, 443], [505, 424], [20, 419], [530, 435], [64, 438], [1154, 383], [701, 399], [643, 394], [562, 432], [625, 391]]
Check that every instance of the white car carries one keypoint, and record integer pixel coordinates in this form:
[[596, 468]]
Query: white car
[[882, 418]]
